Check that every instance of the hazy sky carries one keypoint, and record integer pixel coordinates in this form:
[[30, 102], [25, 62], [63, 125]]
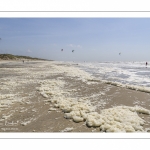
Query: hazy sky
[[93, 39]]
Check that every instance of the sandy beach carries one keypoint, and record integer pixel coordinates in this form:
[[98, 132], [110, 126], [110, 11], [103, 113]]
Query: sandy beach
[[49, 96]]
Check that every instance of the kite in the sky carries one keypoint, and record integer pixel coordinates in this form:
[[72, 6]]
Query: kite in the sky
[[72, 50], [119, 53], [61, 49]]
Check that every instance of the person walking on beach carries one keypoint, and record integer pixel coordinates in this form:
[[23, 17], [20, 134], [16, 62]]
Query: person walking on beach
[[146, 64]]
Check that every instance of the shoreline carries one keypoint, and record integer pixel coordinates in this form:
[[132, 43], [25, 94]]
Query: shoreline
[[38, 97]]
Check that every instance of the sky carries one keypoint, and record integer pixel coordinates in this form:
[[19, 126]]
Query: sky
[[92, 39]]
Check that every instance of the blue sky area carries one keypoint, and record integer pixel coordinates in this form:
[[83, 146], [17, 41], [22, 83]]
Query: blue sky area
[[92, 39]]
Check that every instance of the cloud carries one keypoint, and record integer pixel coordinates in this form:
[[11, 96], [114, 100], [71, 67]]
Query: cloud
[[70, 45], [79, 46], [29, 51], [74, 46], [53, 44]]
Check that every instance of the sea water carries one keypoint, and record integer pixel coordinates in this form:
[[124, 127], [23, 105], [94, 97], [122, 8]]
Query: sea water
[[131, 73]]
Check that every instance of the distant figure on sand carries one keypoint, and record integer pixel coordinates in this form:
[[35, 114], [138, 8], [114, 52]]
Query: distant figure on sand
[[23, 61], [146, 64]]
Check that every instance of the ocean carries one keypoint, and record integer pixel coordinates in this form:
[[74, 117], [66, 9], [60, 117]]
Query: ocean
[[131, 73]]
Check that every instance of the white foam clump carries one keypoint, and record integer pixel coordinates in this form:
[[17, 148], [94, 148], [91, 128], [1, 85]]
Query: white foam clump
[[25, 123], [70, 106], [6, 116], [50, 87], [67, 130], [132, 87], [6, 96], [52, 109], [138, 109], [74, 72], [138, 88], [77, 119], [6, 99], [117, 119]]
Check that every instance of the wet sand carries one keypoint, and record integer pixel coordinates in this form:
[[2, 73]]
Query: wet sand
[[23, 108]]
